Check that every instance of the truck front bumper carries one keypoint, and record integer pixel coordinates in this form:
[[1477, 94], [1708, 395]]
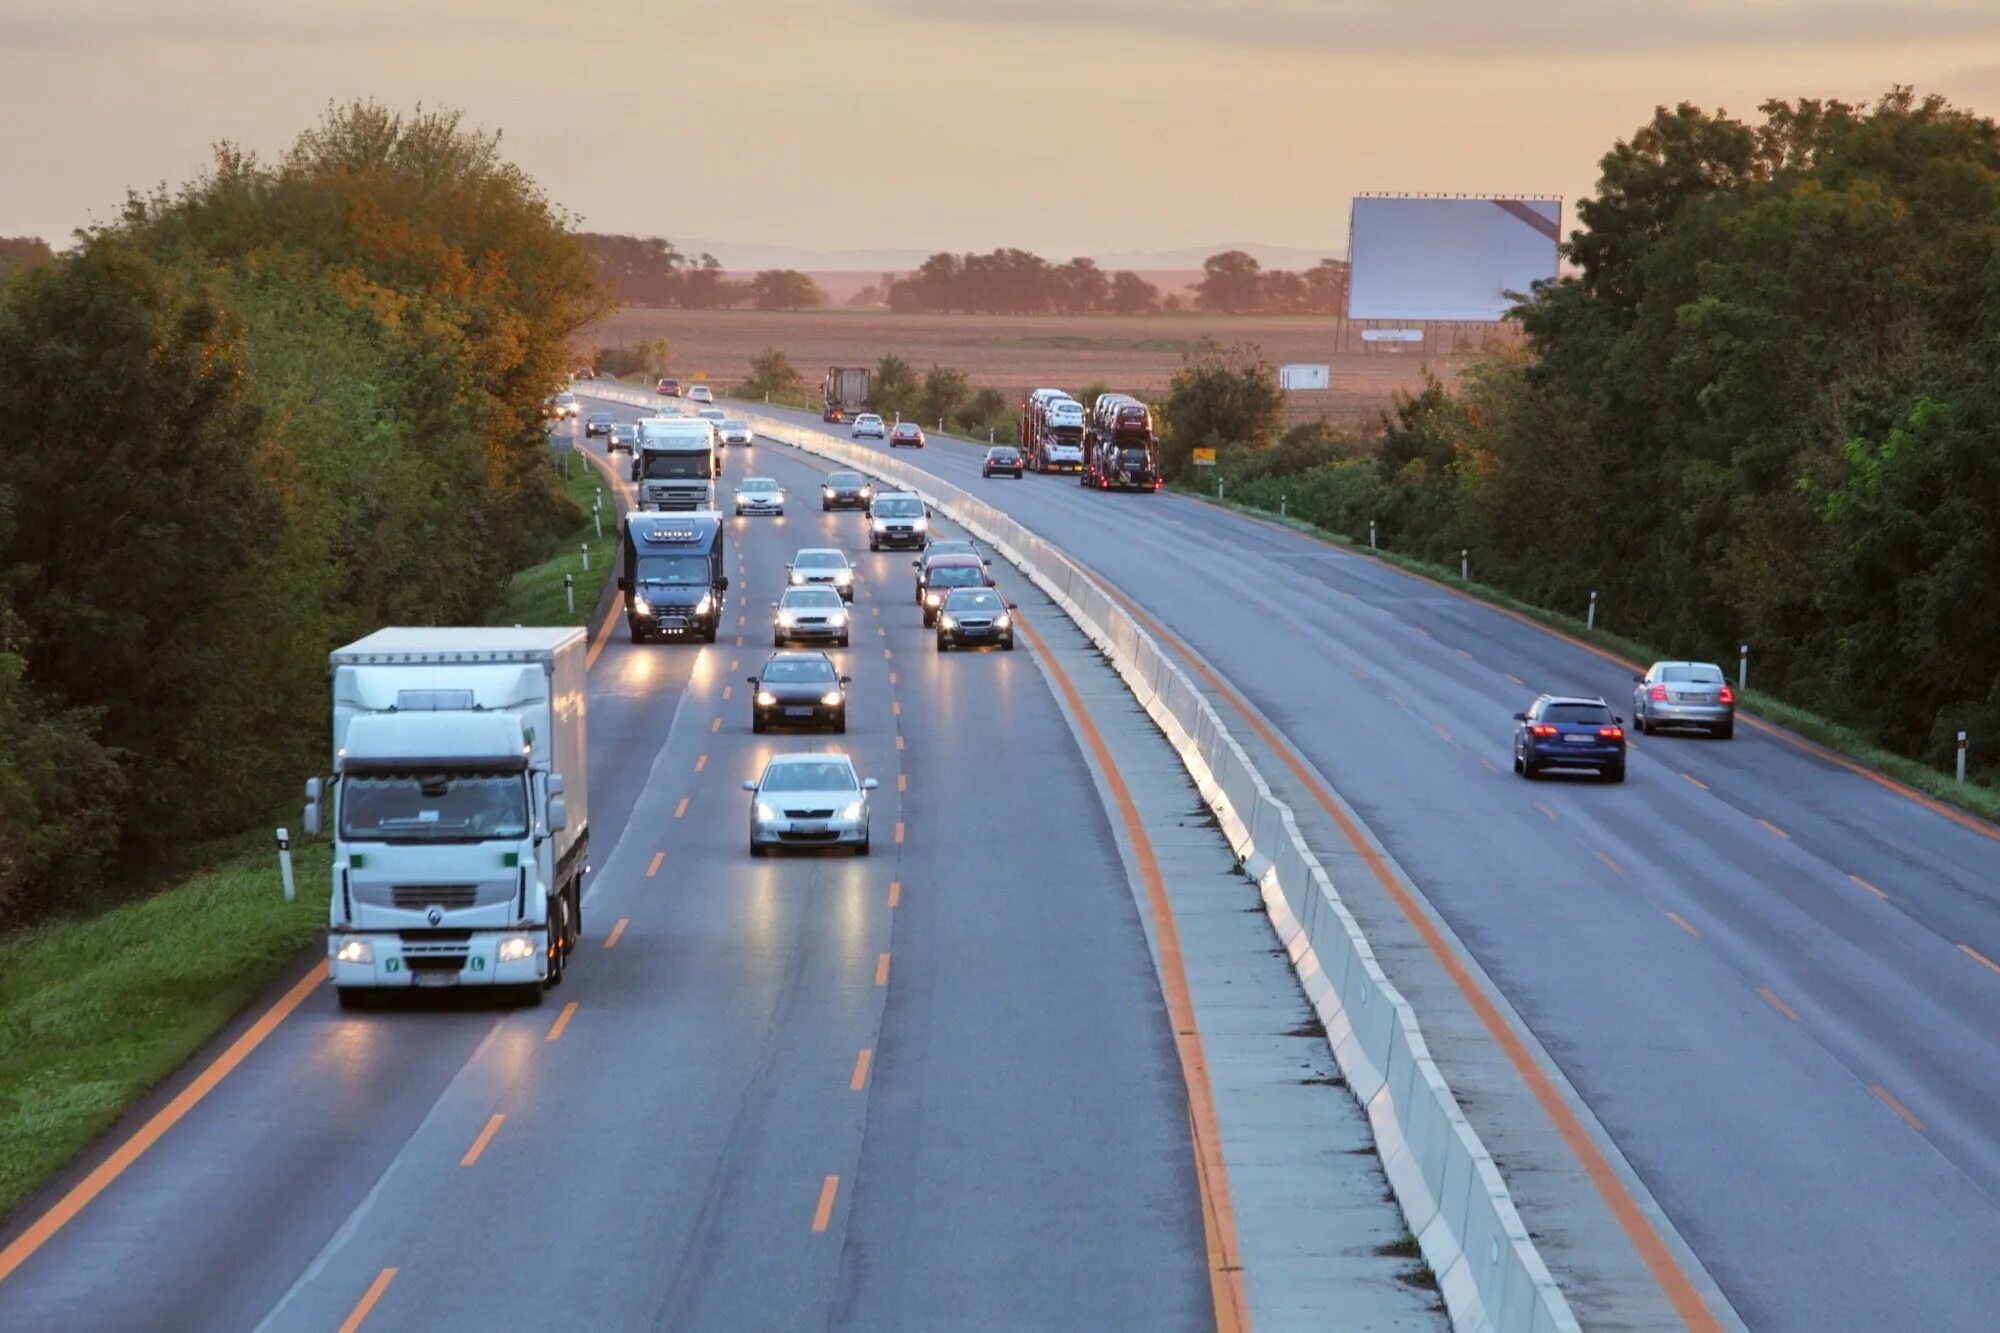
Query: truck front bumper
[[385, 959]]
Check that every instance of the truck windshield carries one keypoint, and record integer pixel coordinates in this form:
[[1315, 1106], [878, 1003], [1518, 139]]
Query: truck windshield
[[661, 467], [689, 570], [433, 807]]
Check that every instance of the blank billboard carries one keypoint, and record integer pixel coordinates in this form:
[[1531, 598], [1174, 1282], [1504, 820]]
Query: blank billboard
[[1447, 259]]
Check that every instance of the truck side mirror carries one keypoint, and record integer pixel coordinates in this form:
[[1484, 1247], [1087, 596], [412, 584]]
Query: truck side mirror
[[724, 584], [558, 814], [311, 819], [556, 784]]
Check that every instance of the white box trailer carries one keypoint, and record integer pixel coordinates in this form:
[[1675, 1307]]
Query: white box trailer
[[461, 809]]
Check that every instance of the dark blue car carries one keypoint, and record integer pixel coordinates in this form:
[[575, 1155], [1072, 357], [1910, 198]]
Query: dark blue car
[[1561, 732]]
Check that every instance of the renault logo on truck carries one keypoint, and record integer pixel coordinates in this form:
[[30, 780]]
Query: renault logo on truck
[[434, 915]]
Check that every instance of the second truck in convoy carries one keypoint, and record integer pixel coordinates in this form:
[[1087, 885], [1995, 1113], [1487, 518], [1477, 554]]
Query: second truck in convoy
[[1119, 452], [673, 578], [676, 462], [461, 817], [846, 392]]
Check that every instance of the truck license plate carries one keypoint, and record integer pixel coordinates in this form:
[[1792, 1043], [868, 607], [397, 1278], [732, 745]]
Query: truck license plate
[[434, 978]]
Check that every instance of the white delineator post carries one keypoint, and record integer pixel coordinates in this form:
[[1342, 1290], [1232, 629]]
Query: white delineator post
[[1590, 617], [285, 862], [1961, 756], [1465, 564], [1742, 667], [586, 556], [569, 592]]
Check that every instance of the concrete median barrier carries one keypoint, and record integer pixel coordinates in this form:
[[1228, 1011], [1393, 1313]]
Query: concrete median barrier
[[1456, 1204]]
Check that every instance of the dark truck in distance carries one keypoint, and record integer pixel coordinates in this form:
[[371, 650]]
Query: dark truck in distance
[[672, 578], [846, 392]]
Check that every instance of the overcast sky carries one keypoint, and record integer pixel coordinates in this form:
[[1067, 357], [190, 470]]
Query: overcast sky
[[1065, 126]]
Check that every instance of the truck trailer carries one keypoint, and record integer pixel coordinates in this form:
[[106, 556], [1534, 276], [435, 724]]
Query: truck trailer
[[846, 392], [461, 812], [673, 577], [1052, 429], [676, 463], [1119, 450]]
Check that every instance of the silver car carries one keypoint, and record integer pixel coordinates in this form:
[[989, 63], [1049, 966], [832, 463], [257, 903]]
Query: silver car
[[809, 800], [1684, 694], [825, 566], [759, 495], [736, 432], [815, 615]]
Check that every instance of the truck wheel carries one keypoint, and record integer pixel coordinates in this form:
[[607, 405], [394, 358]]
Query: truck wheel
[[558, 908], [575, 912], [708, 635]]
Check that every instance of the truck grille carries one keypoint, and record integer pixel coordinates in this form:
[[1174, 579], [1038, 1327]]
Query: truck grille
[[416, 897]]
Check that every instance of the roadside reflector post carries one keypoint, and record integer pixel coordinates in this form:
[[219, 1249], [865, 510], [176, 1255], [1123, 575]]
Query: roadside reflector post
[[1465, 564], [1742, 667], [1961, 762], [1282, 498], [989, 434], [569, 592], [291, 890], [1590, 617], [586, 556], [1371, 534]]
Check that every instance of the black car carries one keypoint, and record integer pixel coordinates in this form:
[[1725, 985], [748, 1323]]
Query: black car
[[1002, 460], [1558, 731], [971, 617], [597, 423], [798, 690], [846, 490]]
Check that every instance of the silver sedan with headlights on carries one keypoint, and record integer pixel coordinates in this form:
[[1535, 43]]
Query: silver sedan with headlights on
[[815, 615], [734, 431], [822, 566], [809, 800], [759, 495], [1684, 694], [973, 617]]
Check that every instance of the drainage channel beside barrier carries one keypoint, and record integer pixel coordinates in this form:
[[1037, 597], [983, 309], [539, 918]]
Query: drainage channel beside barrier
[[1450, 1191]]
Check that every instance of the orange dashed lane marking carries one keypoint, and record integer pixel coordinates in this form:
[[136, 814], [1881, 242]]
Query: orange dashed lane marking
[[1677, 919], [682, 808], [1773, 828], [367, 1301], [895, 892], [616, 931], [1889, 1101], [562, 1020], [1695, 780], [1616, 869], [715, 725], [882, 969], [899, 830], [479, 1144], [824, 1213], [1771, 997], [654, 868], [860, 1079], [1866, 885], [700, 763], [902, 782]]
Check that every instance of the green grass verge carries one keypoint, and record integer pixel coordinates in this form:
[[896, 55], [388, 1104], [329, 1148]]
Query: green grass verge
[[95, 1011], [535, 597], [1974, 797]]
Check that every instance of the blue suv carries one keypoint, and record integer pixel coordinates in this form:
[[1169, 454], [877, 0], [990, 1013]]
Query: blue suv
[[1562, 732]]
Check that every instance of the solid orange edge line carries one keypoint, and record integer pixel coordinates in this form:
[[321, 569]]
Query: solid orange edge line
[[1777, 1003], [1652, 1250], [368, 1299], [1977, 956], [485, 1137], [1895, 1105], [1218, 1217], [128, 1152]]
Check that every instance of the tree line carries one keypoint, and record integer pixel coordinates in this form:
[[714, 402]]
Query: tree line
[[1764, 407], [252, 418], [649, 271], [1017, 282]]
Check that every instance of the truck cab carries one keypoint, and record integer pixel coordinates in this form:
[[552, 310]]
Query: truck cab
[[460, 811], [673, 578], [676, 463]]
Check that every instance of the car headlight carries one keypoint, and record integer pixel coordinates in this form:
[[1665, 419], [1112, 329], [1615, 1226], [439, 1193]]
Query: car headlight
[[642, 607], [785, 618], [878, 524], [921, 524], [932, 599], [837, 619], [797, 578], [832, 698], [867, 492], [355, 951], [765, 698], [946, 622], [853, 811], [705, 605], [766, 814], [1003, 621], [516, 949], [843, 578]]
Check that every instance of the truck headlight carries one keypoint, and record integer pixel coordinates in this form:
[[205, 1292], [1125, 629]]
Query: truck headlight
[[355, 951], [705, 605], [766, 699], [516, 949], [641, 607]]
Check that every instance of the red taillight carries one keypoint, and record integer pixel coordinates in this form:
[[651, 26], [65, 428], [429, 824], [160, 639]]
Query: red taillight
[[1728, 696], [1612, 733], [1541, 730], [1658, 694]]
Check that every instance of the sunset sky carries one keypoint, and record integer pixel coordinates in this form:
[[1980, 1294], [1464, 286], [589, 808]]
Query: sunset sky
[[1065, 126]]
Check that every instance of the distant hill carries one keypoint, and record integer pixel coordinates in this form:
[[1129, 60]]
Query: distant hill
[[750, 258]]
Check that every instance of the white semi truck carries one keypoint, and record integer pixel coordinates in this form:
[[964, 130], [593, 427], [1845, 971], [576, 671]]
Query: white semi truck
[[461, 813], [676, 463]]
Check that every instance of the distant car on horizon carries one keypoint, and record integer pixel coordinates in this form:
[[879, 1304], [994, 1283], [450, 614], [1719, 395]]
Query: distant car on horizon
[[868, 424], [597, 423], [736, 432], [670, 388], [907, 433], [700, 393]]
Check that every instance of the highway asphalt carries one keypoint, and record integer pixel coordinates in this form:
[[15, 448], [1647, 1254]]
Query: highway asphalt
[[931, 1088], [1773, 979]]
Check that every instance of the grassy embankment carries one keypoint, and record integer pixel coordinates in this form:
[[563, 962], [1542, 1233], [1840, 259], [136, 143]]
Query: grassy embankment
[[1974, 797], [96, 1011]]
